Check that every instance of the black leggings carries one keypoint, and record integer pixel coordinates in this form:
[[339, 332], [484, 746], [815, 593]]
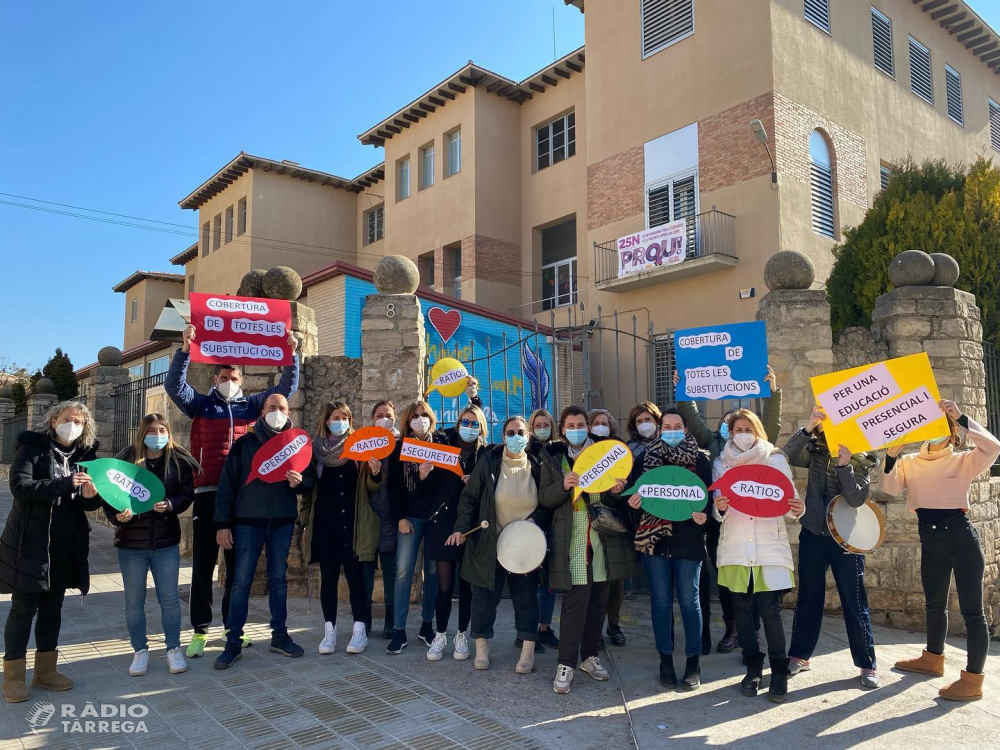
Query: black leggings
[[354, 572], [446, 574], [45, 608], [766, 605]]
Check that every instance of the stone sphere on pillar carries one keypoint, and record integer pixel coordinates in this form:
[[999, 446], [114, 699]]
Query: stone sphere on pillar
[[282, 282], [109, 356], [252, 284], [789, 269], [44, 385], [396, 274], [911, 268], [946, 270], [6, 392]]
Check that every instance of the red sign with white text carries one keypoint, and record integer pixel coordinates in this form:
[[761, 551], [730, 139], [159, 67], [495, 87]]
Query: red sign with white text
[[757, 490], [290, 450], [240, 330]]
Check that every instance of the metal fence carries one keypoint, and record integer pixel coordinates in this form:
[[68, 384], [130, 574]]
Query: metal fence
[[12, 427], [130, 408], [991, 364]]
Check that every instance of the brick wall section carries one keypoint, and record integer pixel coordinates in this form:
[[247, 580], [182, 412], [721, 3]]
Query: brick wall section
[[615, 188], [484, 257], [327, 300], [793, 124], [728, 151]]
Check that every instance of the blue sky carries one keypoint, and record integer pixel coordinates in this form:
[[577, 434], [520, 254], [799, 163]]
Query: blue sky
[[126, 107]]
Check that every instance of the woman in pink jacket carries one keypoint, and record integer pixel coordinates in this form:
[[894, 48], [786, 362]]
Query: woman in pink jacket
[[937, 481]]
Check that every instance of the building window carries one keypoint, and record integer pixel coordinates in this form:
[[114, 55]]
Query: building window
[[190, 283], [456, 271], [559, 265], [673, 200], [821, 183], [818, 13], [884, 175], [427, 166], [403, 179], [229, 225], [995, 124], [555, 141], [454, 165], [425, 264], [217, 232], [135, 310], [157, 366], [920, 71], [241, 216], [374, 224], [882, 42], [135, 372], [665, 22], [953, 89], [205, 233]]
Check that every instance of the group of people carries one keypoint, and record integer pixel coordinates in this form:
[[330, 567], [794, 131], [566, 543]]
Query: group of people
[[358, 516]]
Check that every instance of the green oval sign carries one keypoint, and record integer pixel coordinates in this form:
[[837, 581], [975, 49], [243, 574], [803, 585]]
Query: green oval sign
[[670, 492], [125, 485]]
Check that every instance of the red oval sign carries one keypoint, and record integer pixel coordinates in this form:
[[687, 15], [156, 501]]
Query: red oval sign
[[756, 490], [290, 450]]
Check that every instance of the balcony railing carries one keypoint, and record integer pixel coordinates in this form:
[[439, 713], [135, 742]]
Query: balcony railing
[[710, 236]]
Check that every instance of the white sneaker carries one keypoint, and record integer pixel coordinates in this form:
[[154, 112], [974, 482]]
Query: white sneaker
[[329, 643], [593, 667], [564, 676], [436, 651], [461, 646], [359, 639], [176, 662], [140, 663]]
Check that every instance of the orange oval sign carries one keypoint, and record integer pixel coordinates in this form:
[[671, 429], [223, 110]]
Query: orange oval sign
[[369, 442]]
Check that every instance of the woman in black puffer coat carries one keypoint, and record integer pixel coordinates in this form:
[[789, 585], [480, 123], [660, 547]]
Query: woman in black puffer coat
[[46, 541]]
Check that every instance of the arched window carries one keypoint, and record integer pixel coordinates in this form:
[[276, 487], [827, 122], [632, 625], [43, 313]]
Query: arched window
[[821, 183]]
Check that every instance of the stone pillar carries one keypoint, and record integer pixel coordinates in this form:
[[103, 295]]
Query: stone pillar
[[42, 399], [6, 411]]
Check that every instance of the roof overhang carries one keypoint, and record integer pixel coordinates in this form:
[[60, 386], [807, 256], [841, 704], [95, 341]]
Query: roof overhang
[[575, 4], [962, 22], [372, 176], [126, 284], [185, 256]]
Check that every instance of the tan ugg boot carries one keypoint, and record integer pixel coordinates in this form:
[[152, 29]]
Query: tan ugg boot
[[526, 664], [968, 687], [482, 660], [14, 689], [927, 663], [46, 675]]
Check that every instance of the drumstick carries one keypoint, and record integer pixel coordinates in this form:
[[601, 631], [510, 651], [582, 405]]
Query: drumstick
[[483, 525]]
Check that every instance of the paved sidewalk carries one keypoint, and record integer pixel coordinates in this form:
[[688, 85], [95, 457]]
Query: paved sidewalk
[[389, 702]]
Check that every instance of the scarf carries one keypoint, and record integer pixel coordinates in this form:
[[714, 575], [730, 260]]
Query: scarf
[[652, 530], [758, 453], [327, 451], [574, 452]]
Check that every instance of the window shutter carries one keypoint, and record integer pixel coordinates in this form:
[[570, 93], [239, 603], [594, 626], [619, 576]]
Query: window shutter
[[135, 310], [953, 88], [882, 41], [818, 13], [822, 199], [884, 174], [684, 207], [995, 124], [658, 201], [920, 71], [665, 22]]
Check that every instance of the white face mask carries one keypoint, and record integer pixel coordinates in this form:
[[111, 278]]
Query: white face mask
[[229, 390], [744, 440], [385, 423], [646, 429], [68, 432], [420, 425], [276, 419], [601, 430]]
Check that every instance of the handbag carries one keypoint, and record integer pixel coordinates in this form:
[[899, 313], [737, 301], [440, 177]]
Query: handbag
[[606, 521]]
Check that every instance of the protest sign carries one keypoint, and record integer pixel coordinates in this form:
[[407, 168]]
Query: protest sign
[[717, 362], [886, 403], [290, 450], [443, 456], [449, 377], [125, 485], [664, 245], [756, 490], [240, 330], [670, 492], [368, 443], [601, 466]]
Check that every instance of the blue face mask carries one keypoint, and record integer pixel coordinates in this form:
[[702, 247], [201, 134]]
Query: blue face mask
[[576, 437], [338, 426], [724, 431], [543, 433], [515, 443], [673, 438], [468, 434], [156, 442], [939, 440]]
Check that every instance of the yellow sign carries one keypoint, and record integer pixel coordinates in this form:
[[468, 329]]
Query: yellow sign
[[601, 466], [887, 403], [449, 377]]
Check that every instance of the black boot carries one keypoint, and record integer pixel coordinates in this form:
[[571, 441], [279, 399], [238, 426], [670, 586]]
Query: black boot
[[729, 641], [389, 627], [668, 678], [777, 691], [692, 673], [755, 671]]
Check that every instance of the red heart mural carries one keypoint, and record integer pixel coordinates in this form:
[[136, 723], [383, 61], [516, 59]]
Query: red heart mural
[[445, 322]]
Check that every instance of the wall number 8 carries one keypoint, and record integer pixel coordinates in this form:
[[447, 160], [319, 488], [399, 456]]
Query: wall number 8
[[390, 310]]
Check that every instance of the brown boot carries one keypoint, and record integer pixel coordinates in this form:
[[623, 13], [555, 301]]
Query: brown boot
[[968, 687], [14, 689], [928, 663], [46, 675]]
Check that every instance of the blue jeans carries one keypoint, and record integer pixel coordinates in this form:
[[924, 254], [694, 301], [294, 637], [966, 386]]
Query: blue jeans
[[816, 554], [165, 565], [546, 605], [406, 559], [666, 576], [248, 541]]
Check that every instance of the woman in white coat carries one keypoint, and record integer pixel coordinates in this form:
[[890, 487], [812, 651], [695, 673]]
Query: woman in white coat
[[754, 559]]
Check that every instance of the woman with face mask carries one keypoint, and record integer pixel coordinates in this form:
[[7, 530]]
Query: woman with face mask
[[503, 489], [755, 561], [469, 436], [384, 416], [46, 541], [672, 552], [643, 428], [339, 518], [937, 481], [581, 563], [540, 425], [150, 542]]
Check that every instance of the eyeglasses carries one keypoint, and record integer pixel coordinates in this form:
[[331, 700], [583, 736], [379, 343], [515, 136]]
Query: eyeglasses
[[512, 433], [469, 423]]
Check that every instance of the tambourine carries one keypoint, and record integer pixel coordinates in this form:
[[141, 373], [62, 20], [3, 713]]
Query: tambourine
[[859, 530], [521, 547]]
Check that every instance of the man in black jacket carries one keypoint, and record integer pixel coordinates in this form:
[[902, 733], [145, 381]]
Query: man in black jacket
[[253, 516]]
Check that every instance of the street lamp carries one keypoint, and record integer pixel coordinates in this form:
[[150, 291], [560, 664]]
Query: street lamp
[[758, 130]]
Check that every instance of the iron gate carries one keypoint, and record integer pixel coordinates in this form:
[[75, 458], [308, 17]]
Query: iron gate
[[12, 427], [130, 408]]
